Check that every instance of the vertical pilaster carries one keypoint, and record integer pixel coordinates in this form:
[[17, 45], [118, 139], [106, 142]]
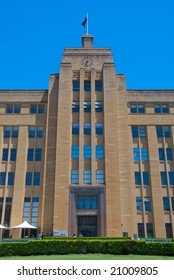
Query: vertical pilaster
[[81, 126]]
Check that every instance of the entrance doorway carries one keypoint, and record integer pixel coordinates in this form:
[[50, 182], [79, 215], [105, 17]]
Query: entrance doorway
[[87, 225]]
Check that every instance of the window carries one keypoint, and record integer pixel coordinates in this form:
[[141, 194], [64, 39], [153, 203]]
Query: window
[[134, 131], [169, 233], [86, 202], [146, 178], [100, 176], [87, 85], [87, 177], [36, 181], [166, 131], [34, 131], [28, 181], [166, 205], [144, 155], [2, 178], [147, 204], [10, 178], [5, 154], [75, 152], [13, 155], [75, 177], [161, 154], [35, 211], [98, 85], [149, 228], [172, 202], [38, 154], [99, 152], [87, 128], [169, 154], [159, 131], [75, 128], [137, 175], [76, 85], [30, 156], [139, 204], [11, 131], [99, 128], [158, 109], [87, 151], [163, 178], [13, 109], [39, 133], [87, 107], [31, 131], [171, 178], [136, 154], [37, 109], [137, 108], [141, 232], [98, 106], [26, 211], [75, 107]]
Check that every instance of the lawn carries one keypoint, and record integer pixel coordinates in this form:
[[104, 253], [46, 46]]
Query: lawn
[[89, 257]]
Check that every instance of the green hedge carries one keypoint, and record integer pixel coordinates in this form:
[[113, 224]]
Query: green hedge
[[78, 246]]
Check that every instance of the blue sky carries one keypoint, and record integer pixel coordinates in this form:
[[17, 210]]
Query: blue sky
[[33, 35]]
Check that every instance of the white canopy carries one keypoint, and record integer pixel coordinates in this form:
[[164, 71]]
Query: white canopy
[[25, 224], [2, 227]]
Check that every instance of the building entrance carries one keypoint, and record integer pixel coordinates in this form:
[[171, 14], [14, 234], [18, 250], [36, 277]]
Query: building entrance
[[87, 225]]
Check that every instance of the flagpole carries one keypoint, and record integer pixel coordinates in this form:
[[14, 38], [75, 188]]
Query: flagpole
[[87, 24]]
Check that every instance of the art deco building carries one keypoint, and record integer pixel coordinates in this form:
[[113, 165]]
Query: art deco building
[[87, 156]]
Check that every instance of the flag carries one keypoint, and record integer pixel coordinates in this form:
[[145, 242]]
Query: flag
[[84, 22]]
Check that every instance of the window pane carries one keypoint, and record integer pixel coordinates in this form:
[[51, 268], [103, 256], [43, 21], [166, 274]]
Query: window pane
[[2, 178], [136, 154], [33, 109], [5, 154], [137, 178], [75, 152], [31, 131], [17, 108], [38, 155], [39, 132], [75, 128], [13, 155], [74, 176], [147, 204], [169, 154], [172, 201], [7, 130], [164, 178], [157, 109], [87, 177], [133, 109], [41, 108], [98, 106], [98, 86], [139, 204], [166, 205], [87, 85], [76, 85], [9, 109], [15, 131], [161, 154], [141, 232], [75, 107], [28, 181], [80, 202], [169, 233], [100, 176], [141, 109], [36, 178], [134, 131], [94, 202], [166, 131], [10, 178], [30, 156], [87, 151], [164, 109], [149, 228], [99, 128], [99, 152], [144, 154], [87, 128], [159, 131], [171, 178], [87, 107], [146, 178]]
